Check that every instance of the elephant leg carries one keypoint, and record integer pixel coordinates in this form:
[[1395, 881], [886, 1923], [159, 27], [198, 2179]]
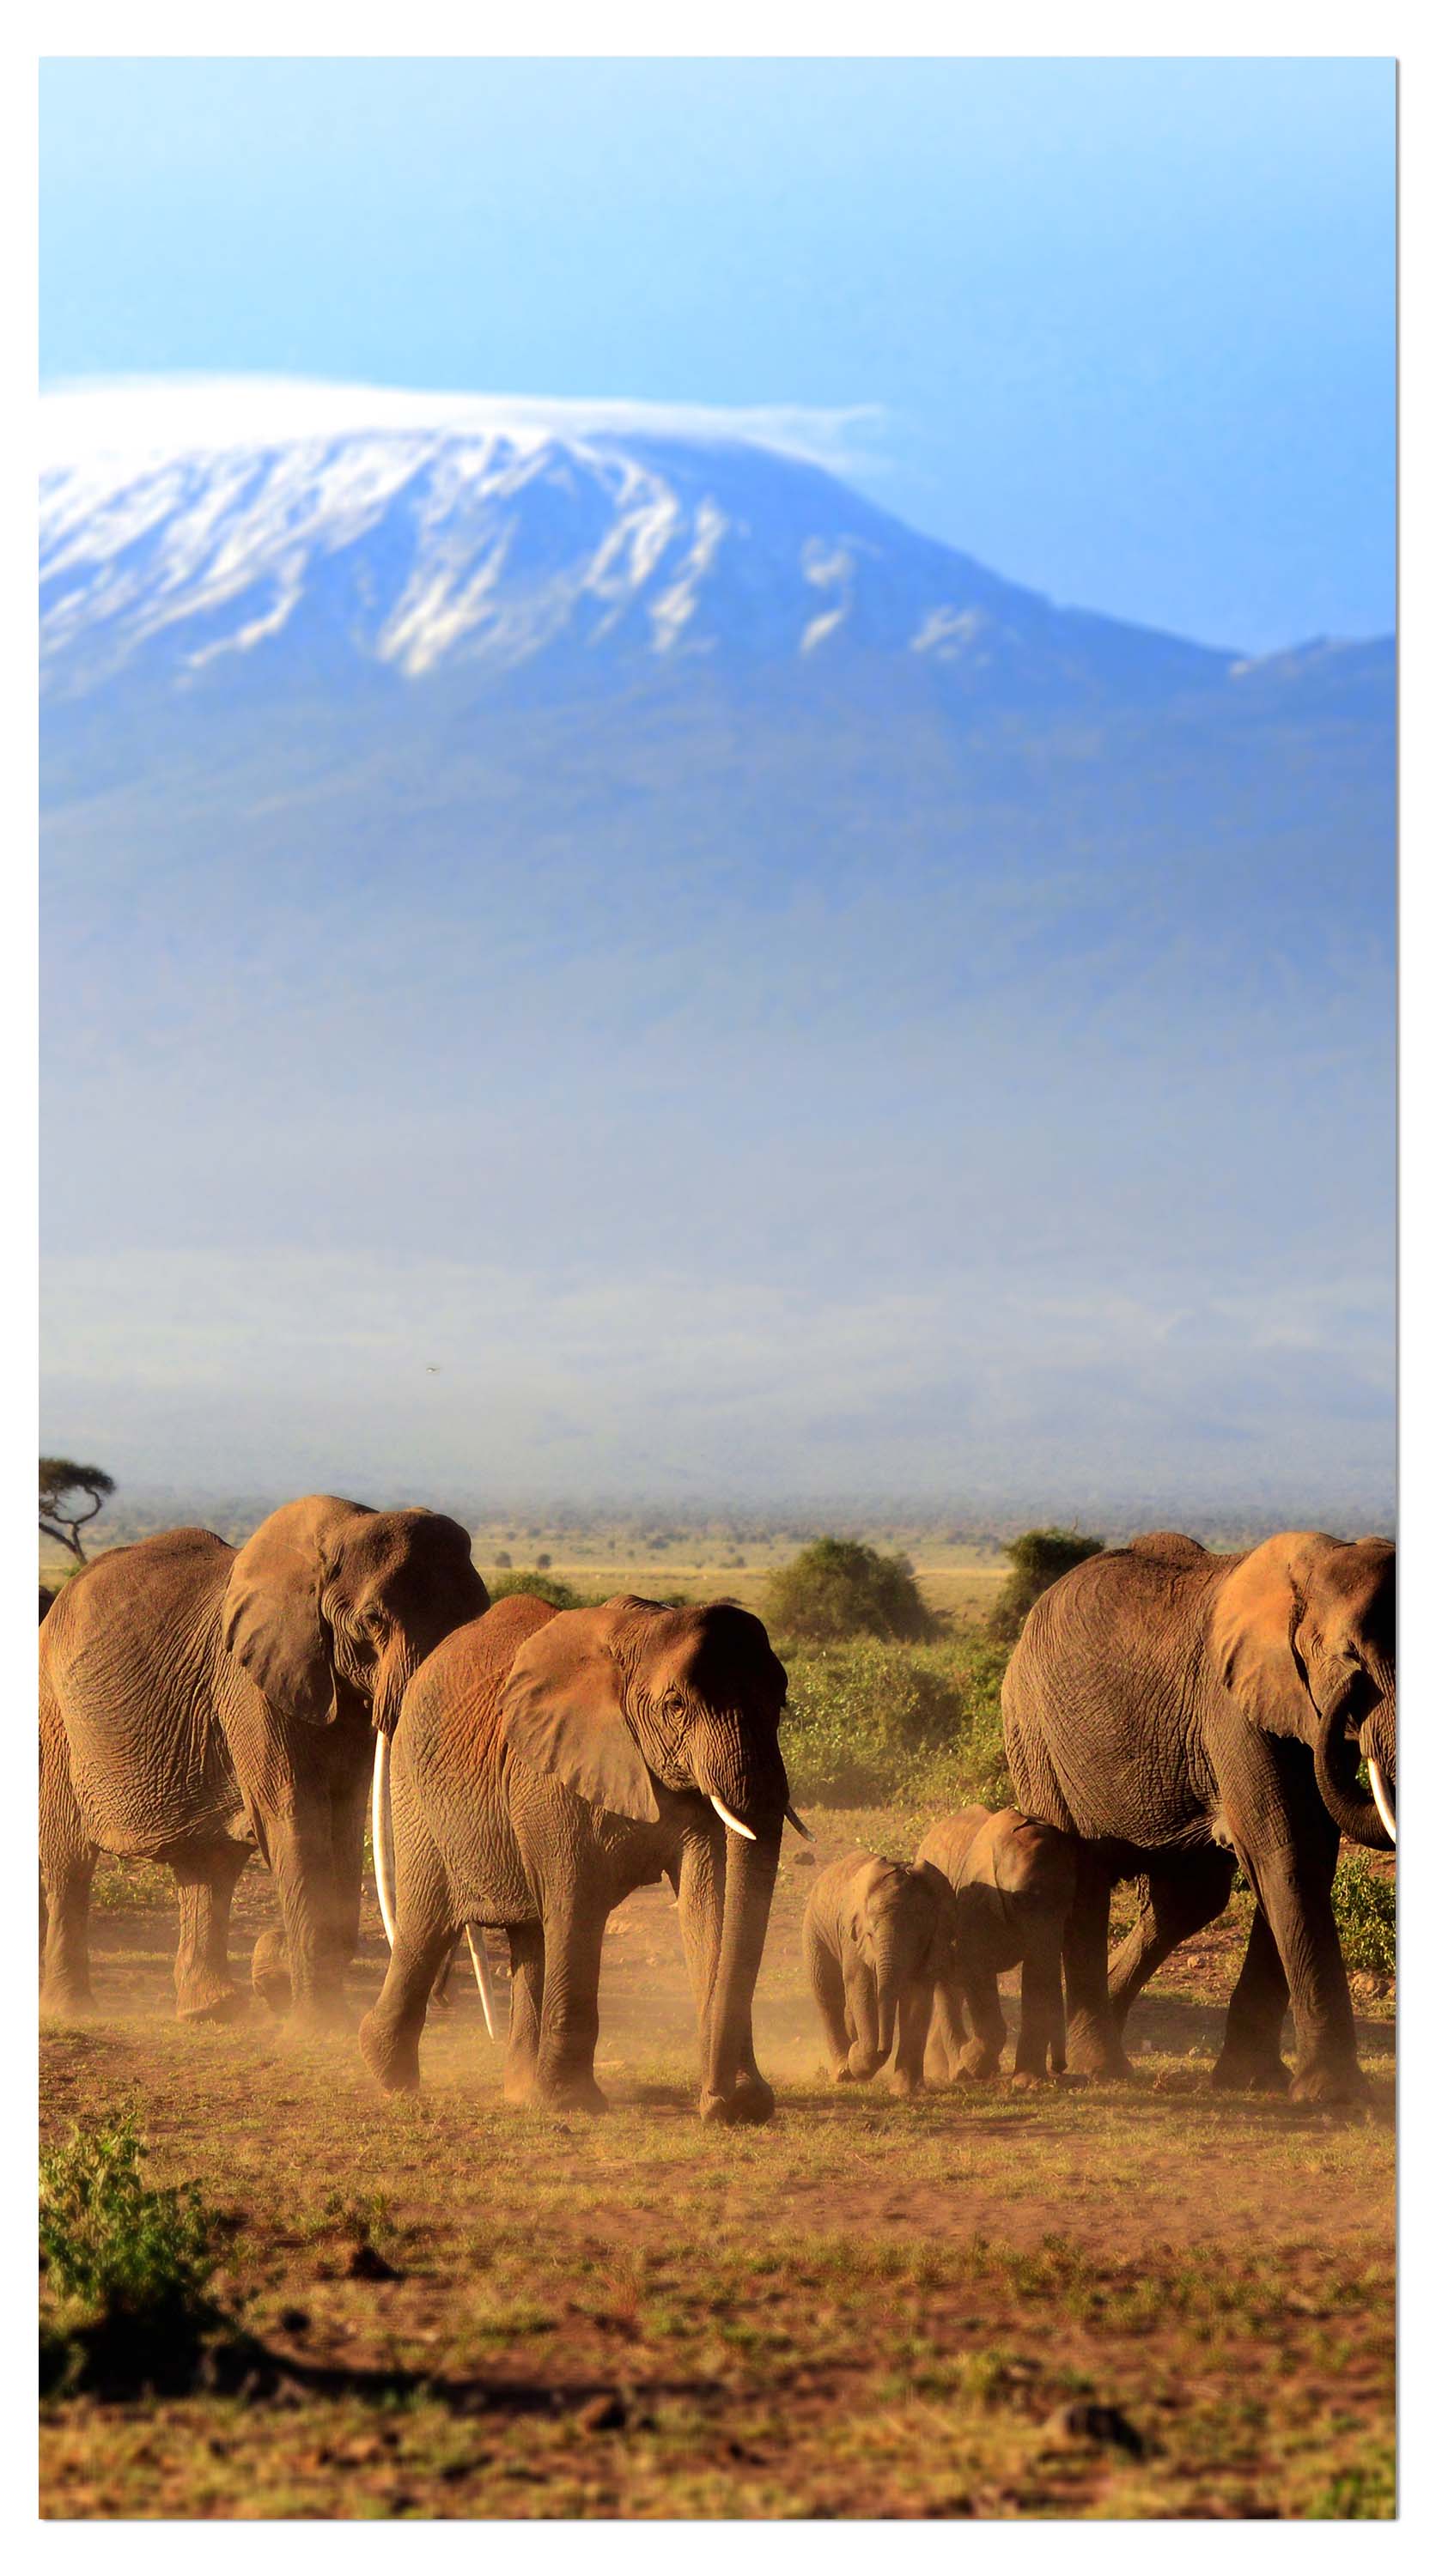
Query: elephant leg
[[982, 2055], [568, 2028], [1293, 1887], [525, 2011], [301, 1856], [1182, 1896], [1251, 2058], [206, 1881], [946, 2033], [913, 2022], [1042, 2031], [697, 1882], [67, 1865], [825, 1978], [1094, 2043], [348, 1819], [390, 2031]]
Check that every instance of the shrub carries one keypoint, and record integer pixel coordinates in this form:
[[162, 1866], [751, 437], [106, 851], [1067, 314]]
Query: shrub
[[838, 1588], [1038, 1558], [129, 2266], [871, 1722], [546, 1587], [1364, 1903]]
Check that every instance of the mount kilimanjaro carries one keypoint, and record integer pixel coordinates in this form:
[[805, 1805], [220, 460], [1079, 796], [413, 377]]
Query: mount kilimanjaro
[[631, 790]]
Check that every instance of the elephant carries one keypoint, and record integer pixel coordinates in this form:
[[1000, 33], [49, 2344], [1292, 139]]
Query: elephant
[[1013, 1881], [877, 1937], [544, 1765], [1184, 1712], [199, 1702]]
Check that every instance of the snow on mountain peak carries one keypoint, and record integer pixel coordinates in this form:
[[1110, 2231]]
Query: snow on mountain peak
[[190, 527]]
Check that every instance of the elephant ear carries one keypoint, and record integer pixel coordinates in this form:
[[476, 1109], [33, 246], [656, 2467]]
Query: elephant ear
[[273, 1623], [563, 1712], [1255, 1633]]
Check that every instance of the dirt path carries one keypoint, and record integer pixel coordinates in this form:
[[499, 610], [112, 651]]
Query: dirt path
[[868, 2308]]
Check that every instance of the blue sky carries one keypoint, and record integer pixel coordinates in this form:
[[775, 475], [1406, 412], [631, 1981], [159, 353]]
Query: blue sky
[[1129, 325]]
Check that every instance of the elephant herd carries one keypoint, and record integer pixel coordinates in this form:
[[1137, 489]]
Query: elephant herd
[[1169, 1715]]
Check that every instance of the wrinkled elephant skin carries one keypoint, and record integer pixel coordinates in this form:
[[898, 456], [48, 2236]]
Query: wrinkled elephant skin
[[199, 1702], [1181, 1713], [545, 1764]]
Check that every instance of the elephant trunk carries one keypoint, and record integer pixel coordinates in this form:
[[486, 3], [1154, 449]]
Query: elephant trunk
[[748, 1788], [396, 1669], [888, 1962], [1359, 1817]]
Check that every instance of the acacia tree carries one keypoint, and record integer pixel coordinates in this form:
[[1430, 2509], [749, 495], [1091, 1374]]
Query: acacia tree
[[839, 1588], [62, 1482], [1039, 1557]]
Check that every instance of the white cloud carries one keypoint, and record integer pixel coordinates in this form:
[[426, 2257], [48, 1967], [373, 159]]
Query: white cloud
[[135, 417]]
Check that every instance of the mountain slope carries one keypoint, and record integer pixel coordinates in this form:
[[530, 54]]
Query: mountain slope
[[809, 1014]]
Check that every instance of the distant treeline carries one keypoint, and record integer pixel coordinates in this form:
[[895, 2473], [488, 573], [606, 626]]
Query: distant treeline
[[636, 1531]]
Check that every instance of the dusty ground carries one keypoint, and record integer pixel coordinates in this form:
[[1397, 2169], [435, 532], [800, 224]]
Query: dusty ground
[[869, 2308]]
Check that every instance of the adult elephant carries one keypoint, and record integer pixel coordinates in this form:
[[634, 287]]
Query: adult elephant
[[199, 1702], [1182, 1712], [545, 1764]]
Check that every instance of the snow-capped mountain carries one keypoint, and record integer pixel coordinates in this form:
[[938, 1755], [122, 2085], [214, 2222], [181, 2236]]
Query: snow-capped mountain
[[605, 870], [420, 550]]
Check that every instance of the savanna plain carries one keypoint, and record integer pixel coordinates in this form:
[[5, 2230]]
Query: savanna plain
[[1141, 2300]]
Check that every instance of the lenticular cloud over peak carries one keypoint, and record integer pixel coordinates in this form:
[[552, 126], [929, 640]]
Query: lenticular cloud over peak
[[146, 415]]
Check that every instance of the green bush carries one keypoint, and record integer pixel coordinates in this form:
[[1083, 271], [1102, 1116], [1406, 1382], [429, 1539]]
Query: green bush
[[838, 1588], [127, 2267], [871, 1722], [545, 1587], [1364, 1904], [1038, 1558], [110, 2243]]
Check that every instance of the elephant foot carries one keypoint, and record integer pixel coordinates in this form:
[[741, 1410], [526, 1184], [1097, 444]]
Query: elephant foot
[[1234, 2073], [977, 2063], [1092, 2052], [842, 2073], [66, 1999], [1069, 2078], [393, 2061], [754, 2101], [320, 2017], [1329, 2084], [737, 2109], [215, 1999], [568, 2093], [269, 1972], [862, 2068], [1024, 2080], [906, 2087]]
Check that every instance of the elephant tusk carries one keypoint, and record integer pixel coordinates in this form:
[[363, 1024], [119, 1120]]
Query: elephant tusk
[[730, 1820], [383, 1843], [479, 1953], [1382, 1795], [796, 1821]]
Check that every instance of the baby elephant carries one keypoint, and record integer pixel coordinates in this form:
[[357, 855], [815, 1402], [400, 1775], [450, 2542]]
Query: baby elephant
[[876, 1936], [1012, 1881]]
